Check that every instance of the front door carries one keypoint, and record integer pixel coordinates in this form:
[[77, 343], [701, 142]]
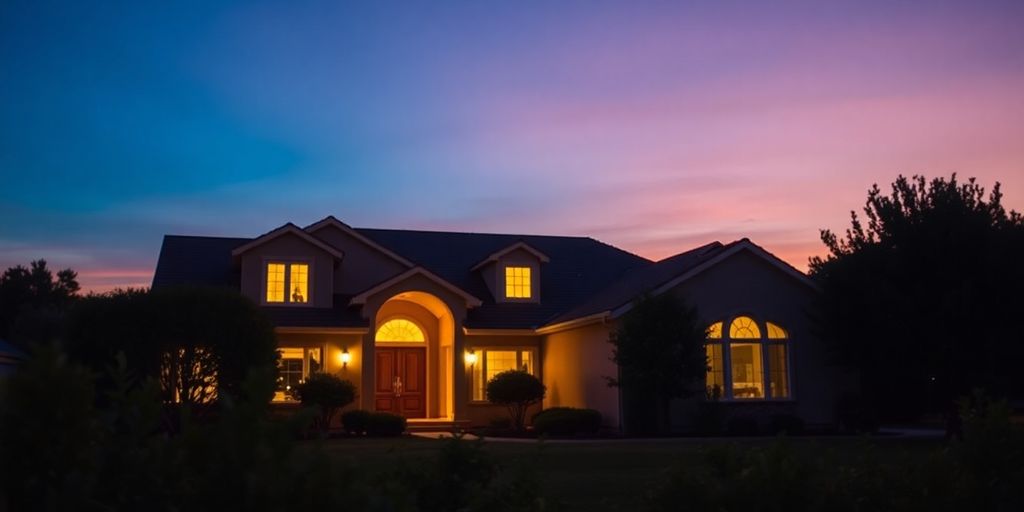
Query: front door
[[401, 381]]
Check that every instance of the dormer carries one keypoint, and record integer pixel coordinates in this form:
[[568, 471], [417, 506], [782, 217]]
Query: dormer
[[513, 274], [288, 267]]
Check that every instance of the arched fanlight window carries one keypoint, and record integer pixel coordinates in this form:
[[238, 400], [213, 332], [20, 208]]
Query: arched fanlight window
[[400, 330], [748, 361]]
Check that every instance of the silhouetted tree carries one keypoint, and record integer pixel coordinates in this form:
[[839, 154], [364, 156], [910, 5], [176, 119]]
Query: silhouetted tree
[[517, 390], [33, 300], [328, 393], [659, 348], [925, 298], [196, 342]]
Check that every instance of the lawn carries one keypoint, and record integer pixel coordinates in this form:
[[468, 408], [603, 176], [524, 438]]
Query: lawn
[[596, 476]]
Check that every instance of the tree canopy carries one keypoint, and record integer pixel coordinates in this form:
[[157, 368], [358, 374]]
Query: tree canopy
[[659, 348], [32, 300], [923, 298]]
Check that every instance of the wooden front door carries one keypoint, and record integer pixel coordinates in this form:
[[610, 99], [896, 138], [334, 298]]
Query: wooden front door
[[401, 381]]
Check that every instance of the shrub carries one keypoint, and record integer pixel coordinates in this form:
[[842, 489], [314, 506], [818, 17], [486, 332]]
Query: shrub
[[356, 421], [384, 424], [328, 393], [517, 390], [855, 415], [709, 418], [566, 421], [789, 424], [742, 426]]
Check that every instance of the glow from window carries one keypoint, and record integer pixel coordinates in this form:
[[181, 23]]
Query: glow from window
[[715, 331], [275, 282], [715, 380], [299, 282], [293, 367], [775, 332], [400, 330], [778, 376], [517, 283], [493, 362], [747, 370], [744, 327]]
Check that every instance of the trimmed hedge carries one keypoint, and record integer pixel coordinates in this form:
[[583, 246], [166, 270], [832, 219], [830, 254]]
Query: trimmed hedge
[[566, 421], [356, 421], [376, 424]]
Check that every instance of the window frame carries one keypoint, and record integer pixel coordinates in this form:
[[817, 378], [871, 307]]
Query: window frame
[[306, 372], [725, 342], [287, 262], [529, 282], [481, 362]]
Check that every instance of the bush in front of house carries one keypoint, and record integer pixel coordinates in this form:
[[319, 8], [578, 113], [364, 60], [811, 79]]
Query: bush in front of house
[[742, 426], [327, 393], [356, 422], [788, 424], [384, 424], [567, 421], [516, 390]]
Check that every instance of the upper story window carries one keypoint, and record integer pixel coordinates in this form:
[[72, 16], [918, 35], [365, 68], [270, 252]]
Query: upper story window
[[517, 283], [287, 282]]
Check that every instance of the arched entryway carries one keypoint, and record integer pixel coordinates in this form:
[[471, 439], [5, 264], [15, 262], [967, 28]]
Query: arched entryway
[[413, 356]]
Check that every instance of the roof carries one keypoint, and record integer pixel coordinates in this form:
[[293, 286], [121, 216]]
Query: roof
[[471, 301], [288, 229]]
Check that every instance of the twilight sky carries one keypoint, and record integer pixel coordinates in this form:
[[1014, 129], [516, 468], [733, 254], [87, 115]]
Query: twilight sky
[[655, 127]]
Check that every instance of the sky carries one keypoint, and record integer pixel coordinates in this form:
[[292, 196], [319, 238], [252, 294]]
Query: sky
[[652, 126]]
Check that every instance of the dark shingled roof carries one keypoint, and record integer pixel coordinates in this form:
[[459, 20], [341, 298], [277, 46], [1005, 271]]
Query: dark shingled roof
[[583, 276]]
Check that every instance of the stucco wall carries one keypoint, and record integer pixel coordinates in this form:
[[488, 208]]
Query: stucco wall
[[747, 284], [289, 248], [576, 363]]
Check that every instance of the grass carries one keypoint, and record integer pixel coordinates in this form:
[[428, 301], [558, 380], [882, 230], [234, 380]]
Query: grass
[[595, 476]]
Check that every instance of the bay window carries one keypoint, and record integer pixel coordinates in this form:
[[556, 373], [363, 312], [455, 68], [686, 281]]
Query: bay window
[[746, 364]]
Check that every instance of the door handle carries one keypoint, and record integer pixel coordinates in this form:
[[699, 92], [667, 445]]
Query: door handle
[[397, 385]]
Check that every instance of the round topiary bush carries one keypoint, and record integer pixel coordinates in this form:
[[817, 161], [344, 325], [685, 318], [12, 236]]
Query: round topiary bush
[[356, 421], [567, 421], [517, 390], [328, 393]]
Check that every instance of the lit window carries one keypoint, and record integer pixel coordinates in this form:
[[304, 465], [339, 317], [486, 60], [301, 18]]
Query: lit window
[[287, 282], [517, 283], [758, 365], [400, 330], [275, 282], [295, 366], [299, 278], [492, 362]]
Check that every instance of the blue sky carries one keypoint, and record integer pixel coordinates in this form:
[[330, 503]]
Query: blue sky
[[654, 126]]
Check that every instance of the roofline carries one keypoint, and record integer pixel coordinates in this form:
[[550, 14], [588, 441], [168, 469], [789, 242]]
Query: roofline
[[288, 228], [600, 317], [471, 301], [518, 245], [321, 330], [470, 331], [742, 245], [330, 220]]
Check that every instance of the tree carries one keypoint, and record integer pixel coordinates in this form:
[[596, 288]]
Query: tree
[[517, 390], [33, 300], [923, 298], [328, 393], [659, 348], [197, 342]]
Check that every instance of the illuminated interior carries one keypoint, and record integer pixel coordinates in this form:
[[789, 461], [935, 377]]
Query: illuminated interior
[[758, 364], [299, 277], [400, 330], [288, 282], [293, 367], [275, 282], [493, 362], [517, 283]]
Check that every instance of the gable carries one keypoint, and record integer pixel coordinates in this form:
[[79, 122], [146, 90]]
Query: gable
[[365, 264], [288, 247]]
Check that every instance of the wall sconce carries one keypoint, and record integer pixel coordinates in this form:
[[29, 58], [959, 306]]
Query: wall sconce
[[470, 358], [346, 358]]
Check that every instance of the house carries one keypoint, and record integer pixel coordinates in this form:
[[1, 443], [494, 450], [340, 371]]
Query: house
[[421, 320]]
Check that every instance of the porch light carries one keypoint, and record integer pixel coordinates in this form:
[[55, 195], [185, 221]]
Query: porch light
[[345, 357], [470, 358]]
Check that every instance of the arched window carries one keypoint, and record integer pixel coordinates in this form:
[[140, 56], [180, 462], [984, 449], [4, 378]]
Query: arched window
[[399, 330], [758, 364]]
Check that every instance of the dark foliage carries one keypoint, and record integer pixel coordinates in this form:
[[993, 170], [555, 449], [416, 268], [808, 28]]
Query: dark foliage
[[383, 424], [33, 301], [516, 390], [788, 424], [566, 421], [356, 421], [186, 338], [918, 298], [659, 349], [741, 425], [328, 394]]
